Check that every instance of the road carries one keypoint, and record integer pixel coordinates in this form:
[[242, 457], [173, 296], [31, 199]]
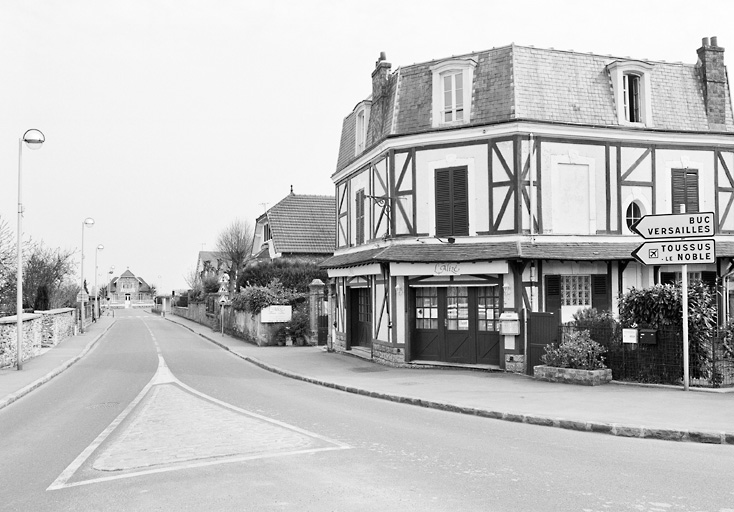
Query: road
[[156, 418]]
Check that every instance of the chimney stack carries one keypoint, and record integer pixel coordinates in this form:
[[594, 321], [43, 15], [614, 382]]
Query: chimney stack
[[379, 77], [713, 76]]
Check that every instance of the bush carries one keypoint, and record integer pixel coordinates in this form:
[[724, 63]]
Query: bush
[[577, 351], [299, 324], [255, 298], [292, 274], [210, 284]]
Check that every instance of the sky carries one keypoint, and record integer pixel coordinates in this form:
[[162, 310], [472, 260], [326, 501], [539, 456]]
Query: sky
[[166, 120]]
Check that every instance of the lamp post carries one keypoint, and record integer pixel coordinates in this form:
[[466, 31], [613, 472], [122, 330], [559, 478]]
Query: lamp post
[[96, 270], [34, 139], [109, 288], [88, 222]]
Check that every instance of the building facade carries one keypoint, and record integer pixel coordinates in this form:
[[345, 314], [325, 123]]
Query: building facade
[[128, 290], [476, 191]]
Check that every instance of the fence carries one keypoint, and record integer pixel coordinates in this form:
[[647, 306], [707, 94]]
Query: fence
[[711, 360]]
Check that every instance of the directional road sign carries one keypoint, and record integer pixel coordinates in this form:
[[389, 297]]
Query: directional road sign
[[675, 225], [82, 297], [676, 252]]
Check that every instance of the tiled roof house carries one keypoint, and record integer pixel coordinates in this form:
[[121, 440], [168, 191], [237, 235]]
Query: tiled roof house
[[130, 288], [506, 181], [299, 226]]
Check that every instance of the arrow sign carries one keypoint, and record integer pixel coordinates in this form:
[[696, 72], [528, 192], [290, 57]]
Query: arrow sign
[[675, 225], [676, 252]]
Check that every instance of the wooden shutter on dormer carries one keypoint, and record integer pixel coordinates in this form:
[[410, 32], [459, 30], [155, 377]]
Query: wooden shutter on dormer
[[359, 217]]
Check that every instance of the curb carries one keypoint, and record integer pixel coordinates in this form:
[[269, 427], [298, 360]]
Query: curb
[[615, 429], [9, 399]]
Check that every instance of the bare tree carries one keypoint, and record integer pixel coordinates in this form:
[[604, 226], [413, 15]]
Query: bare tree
[[192, 278], [235, 244]]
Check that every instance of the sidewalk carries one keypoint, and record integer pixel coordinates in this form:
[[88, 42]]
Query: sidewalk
[[616, 408], [39, 370]]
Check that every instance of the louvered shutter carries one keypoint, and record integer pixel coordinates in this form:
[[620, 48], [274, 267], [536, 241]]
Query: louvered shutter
[[443, 202], [667, 277], [600, 292], [452, 202], [359, 217], [685, 190], [709, 278], [552, 293], [460, 190]]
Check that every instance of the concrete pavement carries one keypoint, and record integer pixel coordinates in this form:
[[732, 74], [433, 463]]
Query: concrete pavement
[[616, 409]]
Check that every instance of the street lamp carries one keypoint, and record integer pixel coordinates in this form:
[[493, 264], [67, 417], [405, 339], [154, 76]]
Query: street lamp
[[88, 222], [96, 270], [109, 288], [34, 139]]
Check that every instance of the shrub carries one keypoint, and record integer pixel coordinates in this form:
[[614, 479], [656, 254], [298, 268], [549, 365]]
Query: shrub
[[255, 298], [576, 351], [292, 274], [210, 284], [299, 324]]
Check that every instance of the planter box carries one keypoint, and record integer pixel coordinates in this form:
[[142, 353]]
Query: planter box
[[573, 376]]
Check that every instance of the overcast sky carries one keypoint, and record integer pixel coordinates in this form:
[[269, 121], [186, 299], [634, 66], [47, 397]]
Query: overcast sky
[[167, 119]]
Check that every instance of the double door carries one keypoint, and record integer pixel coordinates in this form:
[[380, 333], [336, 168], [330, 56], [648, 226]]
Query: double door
[[457, 324]]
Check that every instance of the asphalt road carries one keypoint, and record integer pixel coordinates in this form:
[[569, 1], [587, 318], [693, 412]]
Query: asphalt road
[[156, 418]]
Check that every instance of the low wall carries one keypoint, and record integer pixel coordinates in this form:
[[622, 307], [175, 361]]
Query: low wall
[[40, 329], [240, 324]]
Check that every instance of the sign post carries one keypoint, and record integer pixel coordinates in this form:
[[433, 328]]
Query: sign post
[[670, 248]]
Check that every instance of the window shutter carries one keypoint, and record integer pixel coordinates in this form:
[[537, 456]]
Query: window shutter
[[443, 202], [552, 293], [667, 277], [600, 292], [460, 186], [709, 278], [359, 216], [685, 190]]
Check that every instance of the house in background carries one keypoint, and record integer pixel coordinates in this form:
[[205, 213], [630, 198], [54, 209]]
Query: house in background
[[298, 227], [128, 290], [212, 263], [481, 195]]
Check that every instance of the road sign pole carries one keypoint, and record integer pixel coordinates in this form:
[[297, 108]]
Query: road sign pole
[[684, 304]]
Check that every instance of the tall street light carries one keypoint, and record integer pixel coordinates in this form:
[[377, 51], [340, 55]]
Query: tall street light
[[88, 222], [34, 139], [96, 270]]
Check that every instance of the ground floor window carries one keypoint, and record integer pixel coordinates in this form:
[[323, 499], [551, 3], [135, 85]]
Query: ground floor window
[[457, 308], [426, 308], [576, 290], [488, 308]]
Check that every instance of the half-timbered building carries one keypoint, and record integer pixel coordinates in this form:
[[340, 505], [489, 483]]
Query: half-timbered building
[[502, 184]]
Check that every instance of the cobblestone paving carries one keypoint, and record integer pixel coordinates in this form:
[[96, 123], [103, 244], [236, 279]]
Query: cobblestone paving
[[171, 425]]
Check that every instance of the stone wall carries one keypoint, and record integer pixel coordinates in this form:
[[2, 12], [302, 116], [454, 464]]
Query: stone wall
[[40, 329]]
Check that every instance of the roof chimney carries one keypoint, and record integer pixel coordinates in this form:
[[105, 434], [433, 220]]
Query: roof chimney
[[713, 76], [379, 77]]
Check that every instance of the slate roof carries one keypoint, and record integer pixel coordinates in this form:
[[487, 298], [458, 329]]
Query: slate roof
[[303, 224], [524, 83], [144, 287]]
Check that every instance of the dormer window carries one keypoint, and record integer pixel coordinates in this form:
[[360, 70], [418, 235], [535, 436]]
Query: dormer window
[[360, 128], [452, 87], [453, 100], [631, 87], [632, 97]]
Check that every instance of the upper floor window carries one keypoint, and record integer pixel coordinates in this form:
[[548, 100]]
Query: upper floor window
[[452, 204], [631, 87], [453, 100], [266, 233], [685, 190], [452, 85], [634, 213], [632, 97], [360, 128]]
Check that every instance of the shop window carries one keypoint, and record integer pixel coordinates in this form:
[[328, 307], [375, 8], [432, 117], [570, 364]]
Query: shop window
[[457, 308], [426, 308], [488, 308]]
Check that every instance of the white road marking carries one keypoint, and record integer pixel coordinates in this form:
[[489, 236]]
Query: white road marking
[[164, 376]]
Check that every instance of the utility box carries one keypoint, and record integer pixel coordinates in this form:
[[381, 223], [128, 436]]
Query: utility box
[[647, 337], [509, 324]]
